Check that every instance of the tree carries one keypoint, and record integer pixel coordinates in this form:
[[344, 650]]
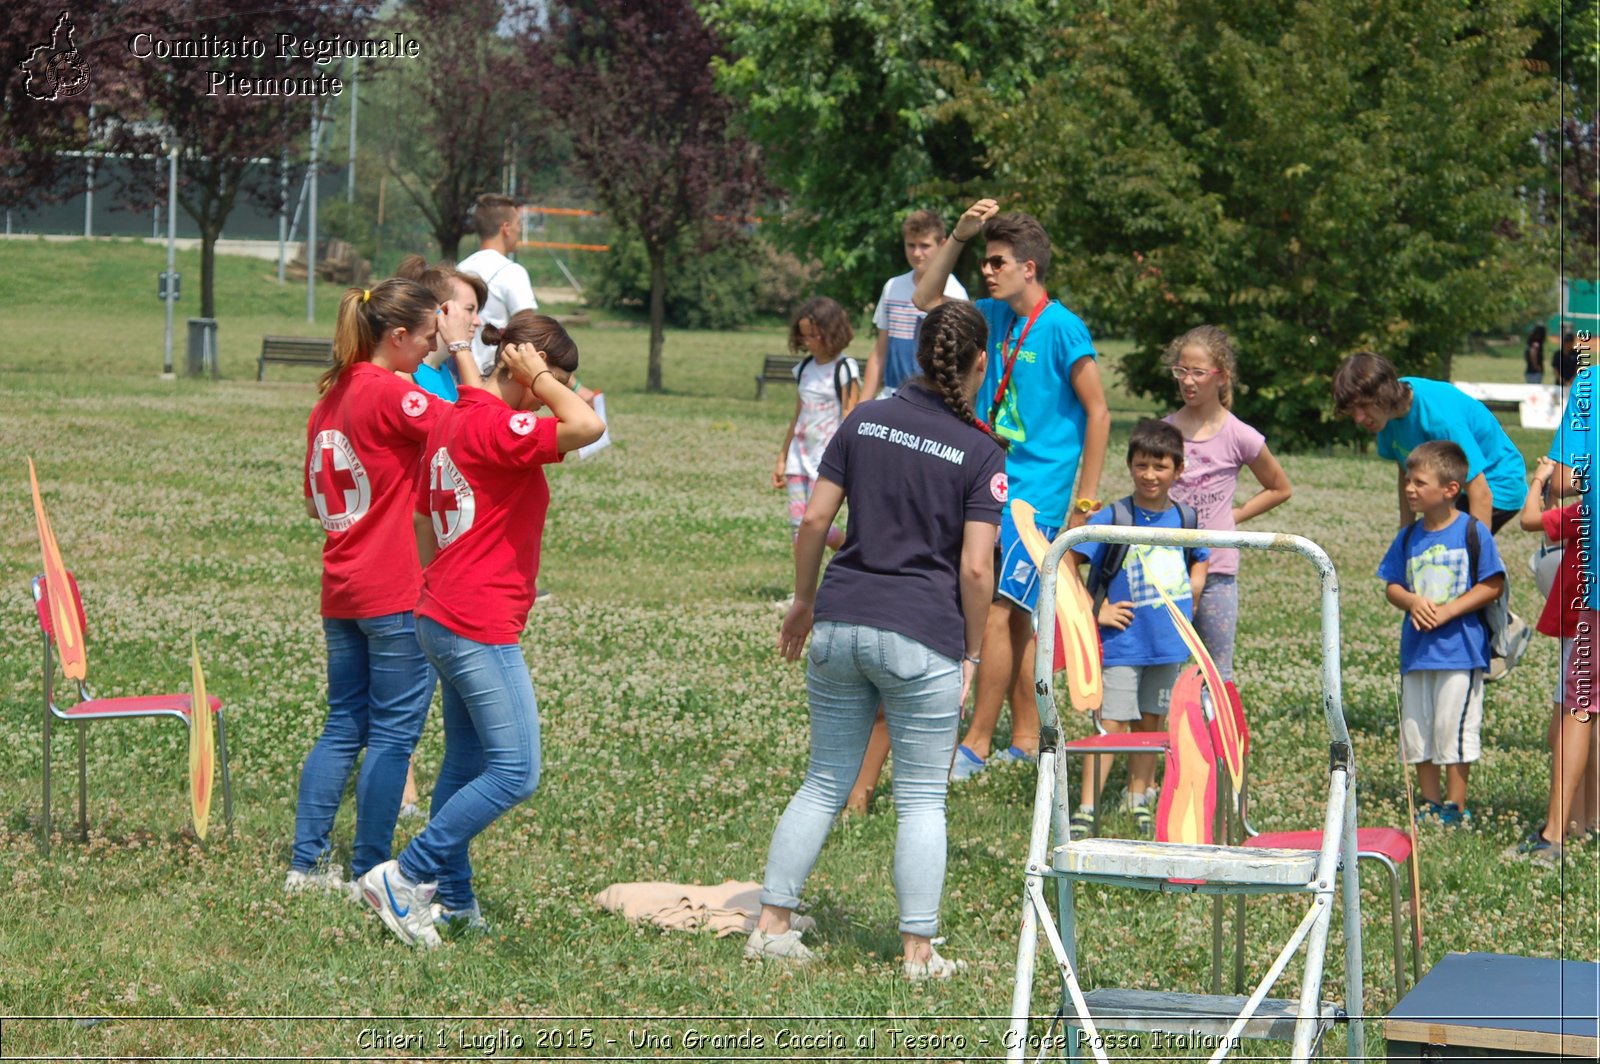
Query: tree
[[221, 114], [447, 119], [1317, 178], [1567, 51], [631, 82], [50, 65], [847, 99]]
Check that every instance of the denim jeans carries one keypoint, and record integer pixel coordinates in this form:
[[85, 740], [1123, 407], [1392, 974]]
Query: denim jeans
[[379, 687], [851, 669], [491, 755]]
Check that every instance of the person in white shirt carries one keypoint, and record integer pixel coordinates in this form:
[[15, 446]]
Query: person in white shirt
[[499, 225], [894, 356]]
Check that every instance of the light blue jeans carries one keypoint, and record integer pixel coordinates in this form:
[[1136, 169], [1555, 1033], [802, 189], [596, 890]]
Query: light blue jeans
[[491, 755], [851, 670], [379, 687]]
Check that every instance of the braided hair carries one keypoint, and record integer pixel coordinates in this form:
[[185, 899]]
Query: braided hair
[[952, 336]]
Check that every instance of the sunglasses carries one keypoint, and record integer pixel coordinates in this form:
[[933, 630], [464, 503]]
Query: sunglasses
[[1184, 373], [996, 262]]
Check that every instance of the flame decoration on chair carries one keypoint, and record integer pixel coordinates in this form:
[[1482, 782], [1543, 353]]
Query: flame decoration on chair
[[202, 759], [69, 634], [1077, 636], [1227, 728]]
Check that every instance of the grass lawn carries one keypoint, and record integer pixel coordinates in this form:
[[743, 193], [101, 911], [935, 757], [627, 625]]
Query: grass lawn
[[673, 734]]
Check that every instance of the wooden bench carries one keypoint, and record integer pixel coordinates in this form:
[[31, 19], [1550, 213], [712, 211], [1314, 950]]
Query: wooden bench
[[777, 368], [294, 351]]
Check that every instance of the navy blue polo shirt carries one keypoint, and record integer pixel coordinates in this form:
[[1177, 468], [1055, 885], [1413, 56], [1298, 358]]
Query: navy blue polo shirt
[[914, 474]]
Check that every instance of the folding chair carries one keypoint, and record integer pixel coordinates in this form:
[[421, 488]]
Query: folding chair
[[1388, 847], [1174, 867], [88, 708]]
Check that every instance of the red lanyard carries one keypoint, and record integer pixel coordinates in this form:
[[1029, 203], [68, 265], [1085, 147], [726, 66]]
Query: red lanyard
[[1011, 359]]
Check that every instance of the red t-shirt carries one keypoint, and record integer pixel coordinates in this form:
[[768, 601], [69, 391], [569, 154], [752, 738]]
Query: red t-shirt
[[1561, 608], [363, 447], [483, 486]]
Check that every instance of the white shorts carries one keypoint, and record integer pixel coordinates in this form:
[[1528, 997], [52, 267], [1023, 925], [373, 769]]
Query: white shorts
[[1131, 690], [1441, 716]]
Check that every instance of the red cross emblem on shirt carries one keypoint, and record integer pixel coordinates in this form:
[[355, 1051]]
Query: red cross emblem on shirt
[[337, 486], [450, 499], [522, 424], [414, 404]]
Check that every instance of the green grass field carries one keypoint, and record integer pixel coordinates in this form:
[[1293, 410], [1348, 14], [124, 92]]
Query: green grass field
[[673, 734]]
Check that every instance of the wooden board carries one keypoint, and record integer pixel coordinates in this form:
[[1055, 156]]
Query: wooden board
[[1531, 1005]]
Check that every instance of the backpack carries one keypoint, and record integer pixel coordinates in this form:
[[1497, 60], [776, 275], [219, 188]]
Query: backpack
[[1111, 559], [844, 374], [1497, 614]]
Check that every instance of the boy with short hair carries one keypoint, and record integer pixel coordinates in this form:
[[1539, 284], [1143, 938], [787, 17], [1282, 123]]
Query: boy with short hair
[[894, 355], [499, 224], [1404, 412], [1432, 575], [1042, 394], [1141, 649]]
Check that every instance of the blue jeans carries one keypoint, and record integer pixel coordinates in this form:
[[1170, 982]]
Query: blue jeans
[[851, 669], [379, 687], [491, 755]]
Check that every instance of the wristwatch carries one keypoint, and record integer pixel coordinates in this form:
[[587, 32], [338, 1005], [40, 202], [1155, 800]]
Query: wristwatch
[[1086, 506]]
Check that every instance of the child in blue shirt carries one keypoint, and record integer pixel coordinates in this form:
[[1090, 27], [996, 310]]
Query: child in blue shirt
[[1444, 643], [1142, 651]]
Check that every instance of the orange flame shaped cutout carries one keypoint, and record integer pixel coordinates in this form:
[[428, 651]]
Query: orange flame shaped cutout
[[1187, 810], [1077, 636], [1227, 728], [58, 591], [202, 758]]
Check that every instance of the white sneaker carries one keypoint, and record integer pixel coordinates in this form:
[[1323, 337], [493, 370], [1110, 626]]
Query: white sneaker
[[297, 882], [935, 967], [406, 908], [786, 948]]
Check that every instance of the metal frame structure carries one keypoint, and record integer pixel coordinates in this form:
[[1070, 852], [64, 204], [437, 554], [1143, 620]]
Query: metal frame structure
[[1187, 868], [88, 708]]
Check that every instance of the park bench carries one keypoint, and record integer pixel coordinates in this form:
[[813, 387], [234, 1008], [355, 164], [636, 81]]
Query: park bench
[[294, 351], [779, 368], [1538, 406]]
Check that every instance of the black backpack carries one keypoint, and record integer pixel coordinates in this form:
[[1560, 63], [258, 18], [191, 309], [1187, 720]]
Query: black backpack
[[1112, 557], [1497, 614], [844, 374]]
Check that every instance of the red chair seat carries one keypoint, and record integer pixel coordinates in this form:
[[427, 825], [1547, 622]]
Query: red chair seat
[[1390, 842], [137, 706], [1119, 742]]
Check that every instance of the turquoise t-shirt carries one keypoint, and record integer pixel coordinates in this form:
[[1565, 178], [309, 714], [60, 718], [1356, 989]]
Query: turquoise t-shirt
[[1574, 447], [436, 382], [1040, 416], [1441, 411]]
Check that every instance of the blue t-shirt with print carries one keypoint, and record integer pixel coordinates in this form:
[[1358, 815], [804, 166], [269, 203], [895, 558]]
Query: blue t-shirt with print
[[1436, 566], [1151, 638], [1574, 447], [1441, 411], [1040, 414]]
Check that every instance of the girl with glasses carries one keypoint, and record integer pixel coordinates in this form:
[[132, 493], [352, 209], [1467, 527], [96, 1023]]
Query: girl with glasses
[[1216, 445]]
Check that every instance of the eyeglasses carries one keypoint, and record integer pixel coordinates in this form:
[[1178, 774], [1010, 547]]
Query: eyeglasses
[[1185, 373], [996, 262]]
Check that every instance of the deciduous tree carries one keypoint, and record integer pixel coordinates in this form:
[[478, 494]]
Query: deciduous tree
[[1316, 177], [631, 82]]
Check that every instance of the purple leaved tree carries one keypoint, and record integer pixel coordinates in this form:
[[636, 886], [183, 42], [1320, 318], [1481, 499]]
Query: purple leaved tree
[[630, 81], [228, 137]]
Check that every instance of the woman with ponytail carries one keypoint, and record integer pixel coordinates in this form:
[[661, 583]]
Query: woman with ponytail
[[481, 499], [899, 622], [363, 447]]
